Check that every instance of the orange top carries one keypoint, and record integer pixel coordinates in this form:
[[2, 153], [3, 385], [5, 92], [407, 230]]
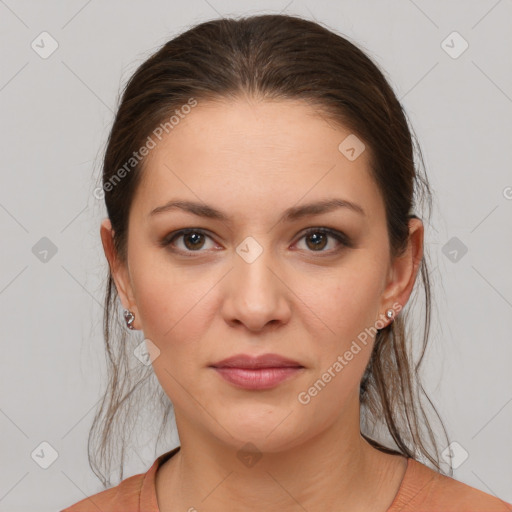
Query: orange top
[[422, 490]]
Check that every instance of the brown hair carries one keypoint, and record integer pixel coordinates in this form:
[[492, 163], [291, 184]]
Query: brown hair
[[274, 57]]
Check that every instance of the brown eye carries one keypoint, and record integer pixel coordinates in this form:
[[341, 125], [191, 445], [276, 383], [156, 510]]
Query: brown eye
[[192, 240], [317, 239]]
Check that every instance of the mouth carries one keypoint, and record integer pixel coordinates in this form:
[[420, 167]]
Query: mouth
[[257, 373]]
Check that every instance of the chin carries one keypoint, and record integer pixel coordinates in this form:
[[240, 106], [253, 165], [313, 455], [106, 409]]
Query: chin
[[266, 432]]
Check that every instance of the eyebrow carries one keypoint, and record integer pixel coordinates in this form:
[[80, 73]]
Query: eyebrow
[[289, 215]]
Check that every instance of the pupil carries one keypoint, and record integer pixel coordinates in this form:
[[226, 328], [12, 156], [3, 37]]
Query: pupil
[[319, 238], [196, 237]]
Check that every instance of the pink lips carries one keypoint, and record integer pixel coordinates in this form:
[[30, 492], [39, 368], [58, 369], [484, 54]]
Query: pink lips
[[261, 372]]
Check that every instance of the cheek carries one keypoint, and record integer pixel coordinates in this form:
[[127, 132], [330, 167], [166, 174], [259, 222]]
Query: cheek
[[347, 308], [351, 298], [174, 305], [176, 312], [161, 290], [347, 303], [172, 310]]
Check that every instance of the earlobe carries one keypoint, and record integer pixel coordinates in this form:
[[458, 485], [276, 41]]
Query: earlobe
[[404, 269]]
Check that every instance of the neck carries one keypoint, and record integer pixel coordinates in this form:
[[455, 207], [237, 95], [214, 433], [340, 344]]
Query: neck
[[334, 470]]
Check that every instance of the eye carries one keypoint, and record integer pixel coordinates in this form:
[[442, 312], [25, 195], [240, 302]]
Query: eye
[[316, 239], [192, 240]]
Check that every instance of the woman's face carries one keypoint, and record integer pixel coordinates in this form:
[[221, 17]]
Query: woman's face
[[255, 282]]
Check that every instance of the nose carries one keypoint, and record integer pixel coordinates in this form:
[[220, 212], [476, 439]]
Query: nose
[[256, 296]]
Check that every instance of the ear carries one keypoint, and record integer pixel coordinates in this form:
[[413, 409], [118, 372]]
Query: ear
[[119, 270], [404, 269]]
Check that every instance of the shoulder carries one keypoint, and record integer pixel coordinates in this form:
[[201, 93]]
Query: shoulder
[[424, 489], [136, 493], [124, 496]]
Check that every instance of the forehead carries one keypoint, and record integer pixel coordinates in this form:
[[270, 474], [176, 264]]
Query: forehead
[[256, 154]]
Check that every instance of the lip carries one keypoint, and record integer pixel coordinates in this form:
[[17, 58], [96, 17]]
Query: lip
[[261, 361], [257, 372]]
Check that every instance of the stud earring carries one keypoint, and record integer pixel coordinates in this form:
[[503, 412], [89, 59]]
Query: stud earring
[[390, 314], [129, 317]]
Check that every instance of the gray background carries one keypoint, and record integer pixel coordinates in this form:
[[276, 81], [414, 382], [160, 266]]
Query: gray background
[[56, 113]]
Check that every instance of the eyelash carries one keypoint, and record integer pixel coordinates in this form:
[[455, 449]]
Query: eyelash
[[337, 235]]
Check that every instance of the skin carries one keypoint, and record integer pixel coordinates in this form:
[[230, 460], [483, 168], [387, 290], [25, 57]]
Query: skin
[[252, 159]]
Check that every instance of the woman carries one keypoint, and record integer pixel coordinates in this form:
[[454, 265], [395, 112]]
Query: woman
[[262, 233]]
